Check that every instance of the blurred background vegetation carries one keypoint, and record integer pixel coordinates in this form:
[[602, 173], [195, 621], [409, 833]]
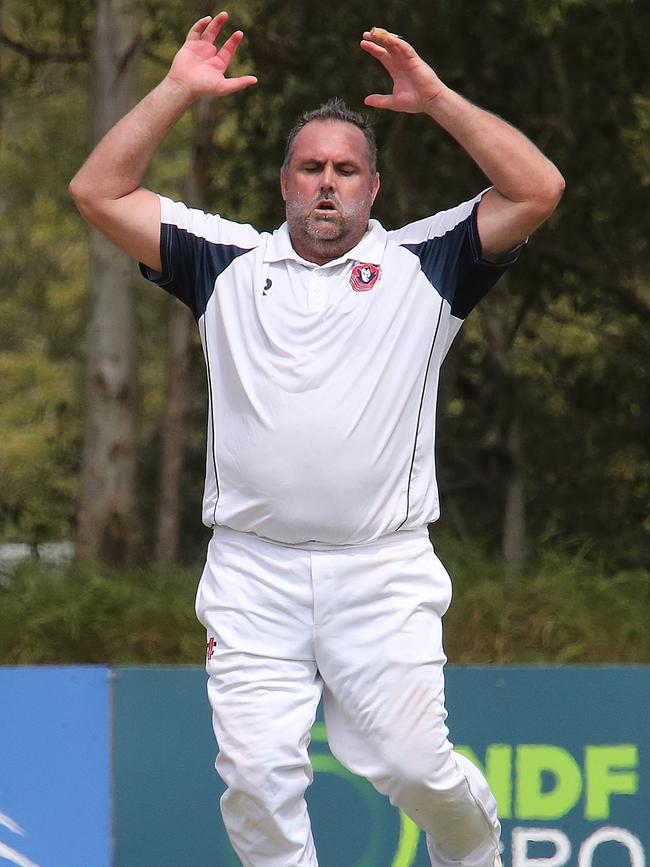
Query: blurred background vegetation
[[544, 426]]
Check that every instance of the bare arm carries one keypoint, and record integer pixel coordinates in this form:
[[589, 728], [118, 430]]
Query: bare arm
[[107, 188], [526, 185]]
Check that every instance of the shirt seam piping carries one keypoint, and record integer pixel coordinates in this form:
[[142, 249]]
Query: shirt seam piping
[[417, 425]]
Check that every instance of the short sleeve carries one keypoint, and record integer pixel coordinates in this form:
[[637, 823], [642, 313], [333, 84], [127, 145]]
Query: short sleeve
[[195, 248], [449, 250]]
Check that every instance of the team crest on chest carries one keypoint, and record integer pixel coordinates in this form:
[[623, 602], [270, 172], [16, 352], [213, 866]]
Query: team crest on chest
[[364, 277]]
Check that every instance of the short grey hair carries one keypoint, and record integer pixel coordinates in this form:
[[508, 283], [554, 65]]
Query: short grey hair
[[334, 109]]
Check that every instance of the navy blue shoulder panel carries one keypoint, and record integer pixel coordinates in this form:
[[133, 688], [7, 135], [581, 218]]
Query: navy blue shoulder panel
[[454, 266], [439, 259], [190, 266]]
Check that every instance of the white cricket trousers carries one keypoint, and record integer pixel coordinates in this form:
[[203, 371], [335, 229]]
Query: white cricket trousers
[[361, 626]]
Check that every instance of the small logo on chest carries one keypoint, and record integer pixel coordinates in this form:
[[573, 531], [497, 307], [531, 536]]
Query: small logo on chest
[[364, 277], [269, 283]]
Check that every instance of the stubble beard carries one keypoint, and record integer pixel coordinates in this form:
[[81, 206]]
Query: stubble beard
[[326, 237]]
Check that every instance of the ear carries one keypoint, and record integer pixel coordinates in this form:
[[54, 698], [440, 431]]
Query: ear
[[283, 184], [376, 183]]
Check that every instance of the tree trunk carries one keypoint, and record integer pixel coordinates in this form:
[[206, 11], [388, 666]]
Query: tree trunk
[[107, 523], [181, 328], [514, 509], [503, 434], [2, 21]]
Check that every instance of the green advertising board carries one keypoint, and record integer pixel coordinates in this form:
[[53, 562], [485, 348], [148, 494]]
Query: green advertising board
[[565, 750]]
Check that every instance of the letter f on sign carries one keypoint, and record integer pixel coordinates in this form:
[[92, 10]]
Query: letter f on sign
[[610, 770]]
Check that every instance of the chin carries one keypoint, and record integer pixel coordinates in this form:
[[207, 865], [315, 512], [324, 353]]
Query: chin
[[325, 232]]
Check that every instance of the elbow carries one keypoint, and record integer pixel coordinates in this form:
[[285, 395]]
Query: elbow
[[552, 192], [78, 191], [547, 196], [82, 196], [557, 188]]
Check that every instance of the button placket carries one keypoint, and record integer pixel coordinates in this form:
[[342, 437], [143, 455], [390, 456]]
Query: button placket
[[317, 290]]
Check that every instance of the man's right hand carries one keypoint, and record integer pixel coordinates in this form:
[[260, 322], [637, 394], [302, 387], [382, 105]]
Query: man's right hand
[[107, 189], [200, 68]]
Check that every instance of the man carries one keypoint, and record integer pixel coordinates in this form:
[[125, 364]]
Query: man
[[323, 343]]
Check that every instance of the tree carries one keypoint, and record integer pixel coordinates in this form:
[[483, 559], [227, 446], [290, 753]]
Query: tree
[[42, 53], [107, 518], [544, 394]]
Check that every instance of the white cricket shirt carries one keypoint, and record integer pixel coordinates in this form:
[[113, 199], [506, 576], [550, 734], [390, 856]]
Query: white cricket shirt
[[322, 380]]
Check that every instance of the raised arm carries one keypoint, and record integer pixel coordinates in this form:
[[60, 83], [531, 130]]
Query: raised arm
[[526, 185], [106, 189]]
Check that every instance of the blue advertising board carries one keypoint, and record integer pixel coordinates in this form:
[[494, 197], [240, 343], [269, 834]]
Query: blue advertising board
[[565, 750], [567, 753], [55, 782]]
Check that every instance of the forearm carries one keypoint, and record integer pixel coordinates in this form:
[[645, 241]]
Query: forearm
[[512, 163], [526, 185], [106, 189], [119, 162]]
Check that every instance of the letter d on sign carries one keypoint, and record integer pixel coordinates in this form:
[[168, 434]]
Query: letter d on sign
[[532, 800], [521, 837]]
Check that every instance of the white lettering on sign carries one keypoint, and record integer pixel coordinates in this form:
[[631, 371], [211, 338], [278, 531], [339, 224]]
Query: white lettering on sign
[[521, 837], [612, 835], [6, 852]]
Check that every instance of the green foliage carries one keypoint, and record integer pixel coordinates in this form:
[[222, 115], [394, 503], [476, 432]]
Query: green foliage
[[572, 74], [564, 610], [39, 456], [42, 282], [637, 137], [95, 616]]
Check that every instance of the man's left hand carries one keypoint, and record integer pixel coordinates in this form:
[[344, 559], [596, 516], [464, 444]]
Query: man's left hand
[[415, 85]]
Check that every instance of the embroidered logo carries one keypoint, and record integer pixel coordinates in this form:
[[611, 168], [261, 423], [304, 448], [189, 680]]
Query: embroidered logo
[[364, 277], [269, 283], [210, 647]]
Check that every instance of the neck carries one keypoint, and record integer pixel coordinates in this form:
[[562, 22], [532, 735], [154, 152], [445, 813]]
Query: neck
[[322, 250]]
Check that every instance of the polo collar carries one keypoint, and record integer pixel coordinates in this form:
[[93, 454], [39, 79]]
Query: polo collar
[[369, 249]]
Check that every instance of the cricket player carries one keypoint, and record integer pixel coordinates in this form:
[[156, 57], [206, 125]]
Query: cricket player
[[323, 342]]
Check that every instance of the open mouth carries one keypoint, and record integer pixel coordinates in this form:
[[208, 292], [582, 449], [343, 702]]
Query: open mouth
[[325, 205]]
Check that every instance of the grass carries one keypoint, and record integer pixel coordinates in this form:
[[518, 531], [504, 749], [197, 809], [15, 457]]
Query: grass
[[84, 615], [561, 610]]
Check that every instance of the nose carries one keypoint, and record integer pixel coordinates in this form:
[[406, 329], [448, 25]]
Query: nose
[[327, 181]]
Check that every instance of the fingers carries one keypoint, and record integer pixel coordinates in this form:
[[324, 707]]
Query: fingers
[[385, 46], [214, 27], [380, 54], [229, 48], [207, 28], [380, 100], [232, 85], [380, 36]]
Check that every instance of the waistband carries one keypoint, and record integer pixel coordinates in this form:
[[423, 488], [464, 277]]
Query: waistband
[[387, 540]]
